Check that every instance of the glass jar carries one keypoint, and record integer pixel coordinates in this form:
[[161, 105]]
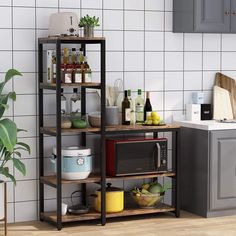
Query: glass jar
[[78, 74], [68, 74]]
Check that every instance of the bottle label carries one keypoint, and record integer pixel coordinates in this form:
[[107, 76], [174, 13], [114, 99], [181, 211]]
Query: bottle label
[[75, 106], [88, 77], [127, 114], [148, 113], [68, 78], [63, 107], [78, 77], [139, 108]]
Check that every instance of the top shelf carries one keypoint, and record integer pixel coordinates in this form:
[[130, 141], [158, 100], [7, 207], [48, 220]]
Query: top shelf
[[71, 39]]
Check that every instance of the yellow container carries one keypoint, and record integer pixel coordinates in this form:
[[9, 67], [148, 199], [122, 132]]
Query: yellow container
[[114, 200]]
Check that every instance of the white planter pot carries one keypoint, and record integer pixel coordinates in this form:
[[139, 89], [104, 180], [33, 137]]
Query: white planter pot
[[2, 191]]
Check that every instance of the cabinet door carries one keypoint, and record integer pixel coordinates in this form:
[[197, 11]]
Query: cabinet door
[[212, 16], [233, 16], [223, 170]]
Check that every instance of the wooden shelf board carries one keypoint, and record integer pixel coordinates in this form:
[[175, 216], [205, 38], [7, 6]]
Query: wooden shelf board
[[111, 129], [51, 216], [52, 130], [52, 39], [73, 85], [51, 180]]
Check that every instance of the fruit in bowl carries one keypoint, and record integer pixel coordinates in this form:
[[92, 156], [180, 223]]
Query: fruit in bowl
[[153, 119], [150, 194]]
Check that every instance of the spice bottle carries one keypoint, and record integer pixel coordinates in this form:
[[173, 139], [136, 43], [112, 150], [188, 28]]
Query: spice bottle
[[68, 74], [87, 72]]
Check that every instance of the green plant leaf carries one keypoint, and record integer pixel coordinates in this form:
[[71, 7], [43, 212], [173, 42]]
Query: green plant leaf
[[8, 132], [21, 130], [5, 171], [17, 153], [25, 146], [19, 165], [4, 101], [10, 74]]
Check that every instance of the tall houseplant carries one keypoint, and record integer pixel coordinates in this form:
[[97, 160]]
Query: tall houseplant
[[88, 23], [10, 148]]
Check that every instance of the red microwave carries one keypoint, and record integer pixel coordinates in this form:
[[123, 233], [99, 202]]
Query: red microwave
[[136, 156]]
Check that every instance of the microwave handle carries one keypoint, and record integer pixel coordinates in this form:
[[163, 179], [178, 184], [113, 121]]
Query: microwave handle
[[158, 155]]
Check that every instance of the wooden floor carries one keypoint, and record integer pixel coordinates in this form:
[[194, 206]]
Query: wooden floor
[[160, 225]]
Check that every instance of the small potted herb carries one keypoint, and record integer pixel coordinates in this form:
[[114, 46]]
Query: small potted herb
[[88, 23]]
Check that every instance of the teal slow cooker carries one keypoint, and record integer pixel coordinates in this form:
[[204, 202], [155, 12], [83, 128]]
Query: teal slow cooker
[[76, 162]]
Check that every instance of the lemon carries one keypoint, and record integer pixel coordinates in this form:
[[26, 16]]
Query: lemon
[[149, 118], [149, 122], [155, 122]]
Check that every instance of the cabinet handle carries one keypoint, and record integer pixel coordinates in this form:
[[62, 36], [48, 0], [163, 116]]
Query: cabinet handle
[[234, 13], [227, 13]]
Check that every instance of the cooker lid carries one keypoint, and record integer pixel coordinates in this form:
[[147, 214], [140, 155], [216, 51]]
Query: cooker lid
[[73, 151], [110, 188]]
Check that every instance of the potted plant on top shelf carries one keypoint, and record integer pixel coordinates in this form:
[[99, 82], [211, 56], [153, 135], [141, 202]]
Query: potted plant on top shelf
[[10, 147], [88, 23]]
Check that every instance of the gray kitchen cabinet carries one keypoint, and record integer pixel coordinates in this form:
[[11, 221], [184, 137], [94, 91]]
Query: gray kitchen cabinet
[[233, 16], [208, 171], [203, 16]]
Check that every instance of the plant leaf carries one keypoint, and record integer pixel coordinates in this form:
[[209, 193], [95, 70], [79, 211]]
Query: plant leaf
[[10, 73], [4, 100], [19, 166], [5, 171], [26, 146], [8, 132]]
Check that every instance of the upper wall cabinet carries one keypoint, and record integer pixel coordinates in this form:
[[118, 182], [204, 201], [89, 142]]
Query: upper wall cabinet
[[204, 16]]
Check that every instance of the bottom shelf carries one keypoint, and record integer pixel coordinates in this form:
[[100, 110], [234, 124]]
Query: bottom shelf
[[51, 216]]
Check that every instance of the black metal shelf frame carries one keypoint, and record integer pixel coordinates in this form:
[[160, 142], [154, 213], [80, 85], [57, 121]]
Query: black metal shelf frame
[[58, 43], [175, 131]]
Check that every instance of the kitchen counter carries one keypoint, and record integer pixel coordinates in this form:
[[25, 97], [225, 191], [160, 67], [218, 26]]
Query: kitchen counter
[[207, 125]]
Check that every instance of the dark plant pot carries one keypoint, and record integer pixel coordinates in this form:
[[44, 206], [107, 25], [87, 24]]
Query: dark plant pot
[[88, 32]]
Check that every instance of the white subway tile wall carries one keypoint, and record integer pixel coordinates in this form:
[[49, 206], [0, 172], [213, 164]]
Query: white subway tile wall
[[141, 50]]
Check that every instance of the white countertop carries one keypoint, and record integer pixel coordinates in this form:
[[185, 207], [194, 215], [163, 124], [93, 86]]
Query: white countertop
[[207, 125]]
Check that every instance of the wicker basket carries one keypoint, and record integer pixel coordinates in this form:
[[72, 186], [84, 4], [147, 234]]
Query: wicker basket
[[94, 119]]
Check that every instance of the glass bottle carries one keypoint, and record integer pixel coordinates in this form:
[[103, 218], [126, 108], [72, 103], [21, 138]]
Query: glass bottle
[[68, 74], [126, 110], [87, 72], [73, 56], [54, 68], [132, 107], [147, 106], [139, 106], [63, 103], [65, 56], [75, 103]]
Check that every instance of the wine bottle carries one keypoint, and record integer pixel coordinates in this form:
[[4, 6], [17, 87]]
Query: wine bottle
[[132, 108], [75, 103], [126, 110], [147, 106], [139, 105], [63, 103]]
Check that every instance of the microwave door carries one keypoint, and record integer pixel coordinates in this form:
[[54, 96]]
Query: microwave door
[[136, 157]]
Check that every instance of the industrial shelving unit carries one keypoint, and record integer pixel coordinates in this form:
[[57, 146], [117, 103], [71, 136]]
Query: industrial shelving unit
[[57, 132]]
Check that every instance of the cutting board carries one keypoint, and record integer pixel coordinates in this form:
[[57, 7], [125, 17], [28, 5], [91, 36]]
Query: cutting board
[[229, 84], [222, 104]]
